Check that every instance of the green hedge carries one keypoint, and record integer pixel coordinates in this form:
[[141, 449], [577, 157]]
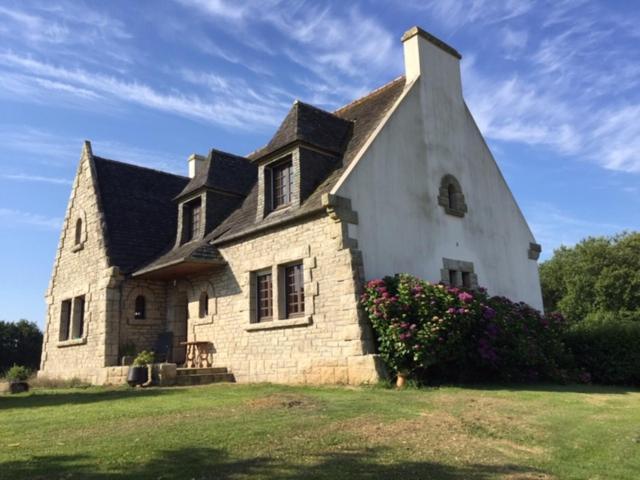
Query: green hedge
[[607, 346]]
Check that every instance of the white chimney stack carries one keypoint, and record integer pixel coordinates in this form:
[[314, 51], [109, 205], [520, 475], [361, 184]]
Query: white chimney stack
[[195, 164], [435, 62]]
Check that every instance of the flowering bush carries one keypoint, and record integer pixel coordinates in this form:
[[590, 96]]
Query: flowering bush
[[460, 333]]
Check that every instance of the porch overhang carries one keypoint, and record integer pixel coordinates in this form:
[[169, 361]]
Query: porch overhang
[[178, 268]]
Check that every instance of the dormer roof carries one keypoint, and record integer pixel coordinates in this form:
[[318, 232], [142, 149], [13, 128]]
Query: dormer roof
[[224, 172], [311, 125]]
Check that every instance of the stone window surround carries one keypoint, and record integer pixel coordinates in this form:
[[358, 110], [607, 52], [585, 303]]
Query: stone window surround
[[534, 251], [130, 307], [459, 266], [265, 184], [82, 217], [280, 262], [194, 291], [70, 342], [460, 207], [182, 224]]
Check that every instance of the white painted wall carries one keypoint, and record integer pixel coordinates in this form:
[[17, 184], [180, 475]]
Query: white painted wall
[[394, 188]]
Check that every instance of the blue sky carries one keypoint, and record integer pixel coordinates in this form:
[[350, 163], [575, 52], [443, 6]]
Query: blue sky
[[554, 86]]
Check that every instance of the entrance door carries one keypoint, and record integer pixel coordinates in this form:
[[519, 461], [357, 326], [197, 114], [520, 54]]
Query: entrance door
[[179, 327]]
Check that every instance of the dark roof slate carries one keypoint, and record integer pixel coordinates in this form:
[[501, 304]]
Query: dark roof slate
[[311, 125], [223, 171], [139, 211]]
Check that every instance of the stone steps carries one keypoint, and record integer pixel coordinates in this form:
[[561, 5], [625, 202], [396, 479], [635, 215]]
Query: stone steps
[[202, 376], [200, 371]]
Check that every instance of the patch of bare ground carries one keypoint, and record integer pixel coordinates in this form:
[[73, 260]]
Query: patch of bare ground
[[279, 401]]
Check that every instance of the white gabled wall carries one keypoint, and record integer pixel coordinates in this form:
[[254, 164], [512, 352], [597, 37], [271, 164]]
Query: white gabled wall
[[395, 185]]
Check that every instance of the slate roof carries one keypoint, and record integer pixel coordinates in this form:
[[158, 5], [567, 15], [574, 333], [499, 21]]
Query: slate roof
[[139, 211], [311, 125], [140, 206], [223, 171], [365, 115]]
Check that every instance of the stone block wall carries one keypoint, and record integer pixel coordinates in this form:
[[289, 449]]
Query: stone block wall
[[80, 269], [319, 347]]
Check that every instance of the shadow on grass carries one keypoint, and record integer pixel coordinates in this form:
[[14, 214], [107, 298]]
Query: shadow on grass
[[554, 388], [52, 398], [206, 463]]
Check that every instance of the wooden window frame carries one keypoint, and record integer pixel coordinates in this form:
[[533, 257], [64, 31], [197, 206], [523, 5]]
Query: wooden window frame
[[264, 293], [294, 290], [140, 308], [281, 184], [192, 219], [203, 305], [65, 319]]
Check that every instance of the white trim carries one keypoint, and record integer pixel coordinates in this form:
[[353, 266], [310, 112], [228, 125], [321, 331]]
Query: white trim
[[372, 137]]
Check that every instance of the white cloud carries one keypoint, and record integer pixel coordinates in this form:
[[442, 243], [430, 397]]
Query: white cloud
[[14, 218], [23, 177], [239, 109]]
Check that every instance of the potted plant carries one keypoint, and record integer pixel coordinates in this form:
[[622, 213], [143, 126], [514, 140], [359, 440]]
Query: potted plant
[[17, 377], [140, 371]]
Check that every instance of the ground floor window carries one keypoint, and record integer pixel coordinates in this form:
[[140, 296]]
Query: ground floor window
[[264, 291], [72, 312], [294, 290], [459, 273]]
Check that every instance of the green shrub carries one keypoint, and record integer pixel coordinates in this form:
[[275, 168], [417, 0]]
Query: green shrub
[[18, 373], [607, 346], [144, 358], [454, 334]]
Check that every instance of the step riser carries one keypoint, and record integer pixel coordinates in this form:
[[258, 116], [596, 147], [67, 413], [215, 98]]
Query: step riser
[[201, 371], [204, 379]]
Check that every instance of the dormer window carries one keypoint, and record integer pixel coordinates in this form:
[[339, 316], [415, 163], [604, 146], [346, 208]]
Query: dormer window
[[282, 184], [192, 218]]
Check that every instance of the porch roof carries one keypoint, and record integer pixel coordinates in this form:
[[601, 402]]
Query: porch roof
[[188, 259]]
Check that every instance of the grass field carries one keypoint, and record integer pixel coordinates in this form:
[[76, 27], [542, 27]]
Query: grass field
[[265, 431]]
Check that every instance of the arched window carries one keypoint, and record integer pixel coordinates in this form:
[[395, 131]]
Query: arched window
[[203, 309], [78, 239], [450, 196], [140, 308]]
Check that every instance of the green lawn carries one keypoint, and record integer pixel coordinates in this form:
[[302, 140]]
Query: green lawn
[[266, 431]]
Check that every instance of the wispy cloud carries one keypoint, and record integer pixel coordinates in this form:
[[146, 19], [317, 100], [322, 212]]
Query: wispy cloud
[[242, 109], [23, 177], [40, 146], [554, 227], [13, 218]]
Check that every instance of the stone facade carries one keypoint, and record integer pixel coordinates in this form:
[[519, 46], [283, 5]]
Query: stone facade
[[331, 343]]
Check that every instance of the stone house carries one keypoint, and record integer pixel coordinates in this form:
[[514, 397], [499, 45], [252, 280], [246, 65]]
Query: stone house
[[264, 256]]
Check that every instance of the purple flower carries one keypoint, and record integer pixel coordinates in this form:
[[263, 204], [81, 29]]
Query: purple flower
[[488, 313], [451, 310]]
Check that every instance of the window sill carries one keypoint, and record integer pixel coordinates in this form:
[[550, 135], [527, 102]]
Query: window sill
[[77, 247], [277, 324], [72, 342]]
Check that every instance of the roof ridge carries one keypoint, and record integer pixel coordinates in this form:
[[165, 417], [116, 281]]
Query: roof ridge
[[369, 95], [327, 112], [217, 150], [97, 157]]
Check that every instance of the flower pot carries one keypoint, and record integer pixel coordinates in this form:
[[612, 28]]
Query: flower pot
[[18, 387], [137, 375], [401, 379]]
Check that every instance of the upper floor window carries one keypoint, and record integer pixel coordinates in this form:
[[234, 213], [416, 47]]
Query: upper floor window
[[140, 308], [78, 233], [282, 184], [192, 219], [294, 290], [450, 196], [203, 305]]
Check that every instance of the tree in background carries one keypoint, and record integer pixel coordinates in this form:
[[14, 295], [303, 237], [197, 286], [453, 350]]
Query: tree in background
[[597, 275], [20, 344]]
